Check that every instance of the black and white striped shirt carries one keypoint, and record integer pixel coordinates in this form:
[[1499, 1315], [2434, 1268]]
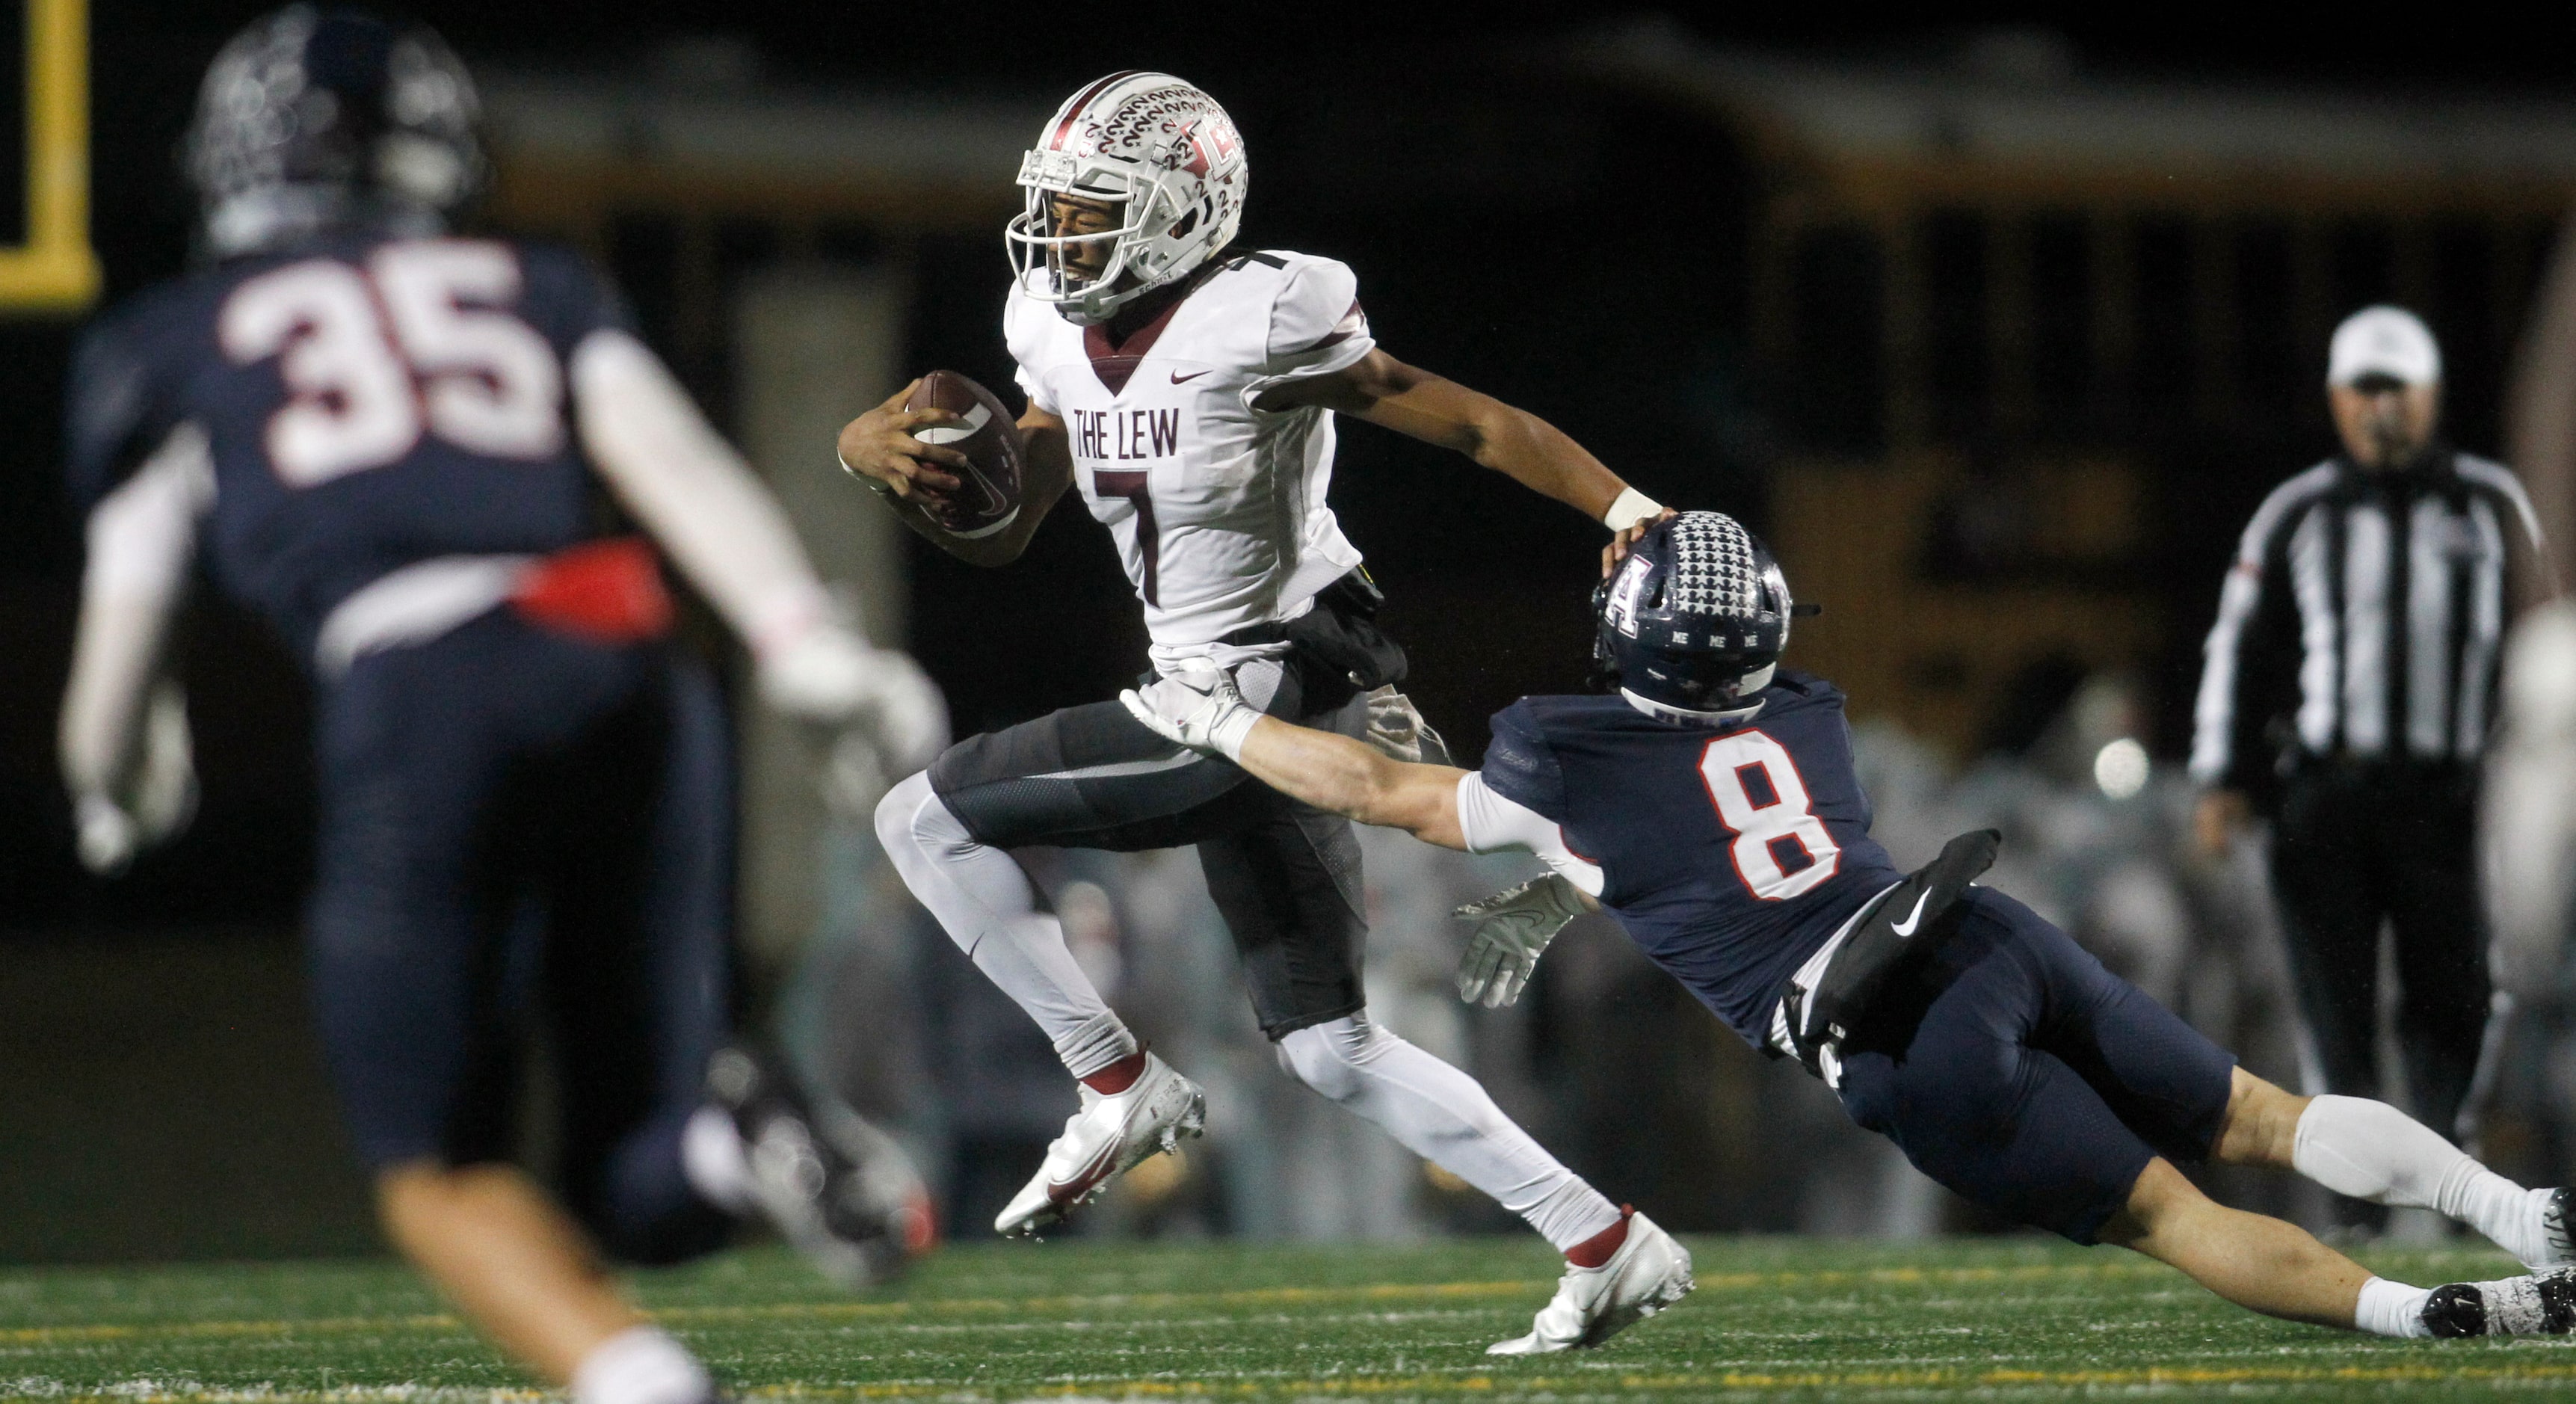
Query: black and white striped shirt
[[2367, 607]]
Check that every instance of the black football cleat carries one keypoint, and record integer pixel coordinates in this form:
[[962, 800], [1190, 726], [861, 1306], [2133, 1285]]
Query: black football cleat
[[2543, 1305], [839, 1190]]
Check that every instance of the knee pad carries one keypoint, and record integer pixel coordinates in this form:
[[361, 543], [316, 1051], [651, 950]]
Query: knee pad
[[912, 820], [1328, 1056]]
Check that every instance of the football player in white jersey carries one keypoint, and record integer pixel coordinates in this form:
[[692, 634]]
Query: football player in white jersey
[[1186, 390]]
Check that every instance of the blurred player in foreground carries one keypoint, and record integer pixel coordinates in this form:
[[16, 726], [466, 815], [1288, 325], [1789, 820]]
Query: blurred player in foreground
[[392, 445], [1187, 390], [1711, 808]]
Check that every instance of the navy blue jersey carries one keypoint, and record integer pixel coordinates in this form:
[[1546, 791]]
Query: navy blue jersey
[[1728, 855], [367, 402]]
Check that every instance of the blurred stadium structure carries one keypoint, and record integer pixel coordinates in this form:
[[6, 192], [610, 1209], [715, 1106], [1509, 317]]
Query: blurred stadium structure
[[1998, 352]]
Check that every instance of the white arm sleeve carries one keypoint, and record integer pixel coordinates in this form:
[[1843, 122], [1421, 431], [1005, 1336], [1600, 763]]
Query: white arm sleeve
[[142, 538], [1492, 824], [693, 492]]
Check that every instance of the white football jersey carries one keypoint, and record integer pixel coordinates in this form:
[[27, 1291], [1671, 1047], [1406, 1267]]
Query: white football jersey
[[1218, 508]]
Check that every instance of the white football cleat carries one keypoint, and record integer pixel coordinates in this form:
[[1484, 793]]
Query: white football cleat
[[1107, 1138], [1649, 1273]]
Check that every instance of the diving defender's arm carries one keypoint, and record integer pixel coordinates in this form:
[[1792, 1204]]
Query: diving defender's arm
[[1348, 777]]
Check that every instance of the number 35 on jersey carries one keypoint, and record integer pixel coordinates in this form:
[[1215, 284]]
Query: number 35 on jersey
[[374, 355]]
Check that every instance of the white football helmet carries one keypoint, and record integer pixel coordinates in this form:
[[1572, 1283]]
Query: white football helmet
[[1160, 148]]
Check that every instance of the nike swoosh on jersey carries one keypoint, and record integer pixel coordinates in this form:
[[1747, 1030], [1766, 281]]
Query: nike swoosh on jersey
[[1913, 918], [1178, 378]]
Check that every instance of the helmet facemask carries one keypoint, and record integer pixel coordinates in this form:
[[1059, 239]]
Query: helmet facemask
[[1159, 153]]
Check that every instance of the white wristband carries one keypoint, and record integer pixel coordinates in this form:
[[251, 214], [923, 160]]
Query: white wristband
[[1230, 730], [1631, 508]]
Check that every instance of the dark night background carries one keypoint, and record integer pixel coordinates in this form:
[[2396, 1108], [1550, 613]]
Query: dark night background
[[1578, 252], [1529, 289]]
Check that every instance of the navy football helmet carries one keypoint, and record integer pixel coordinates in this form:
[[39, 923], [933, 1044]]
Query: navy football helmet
[[312, 118], [1692, 622]]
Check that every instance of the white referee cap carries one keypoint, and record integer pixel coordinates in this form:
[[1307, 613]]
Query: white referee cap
[[2384, 340]]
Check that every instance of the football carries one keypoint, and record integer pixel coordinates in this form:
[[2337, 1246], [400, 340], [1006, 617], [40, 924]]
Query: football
[[989, 498]]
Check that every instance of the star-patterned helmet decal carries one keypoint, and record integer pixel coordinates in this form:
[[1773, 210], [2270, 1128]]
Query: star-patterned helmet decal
[[1714, 572]]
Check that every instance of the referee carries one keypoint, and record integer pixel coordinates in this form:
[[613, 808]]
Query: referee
[[2349, 690]]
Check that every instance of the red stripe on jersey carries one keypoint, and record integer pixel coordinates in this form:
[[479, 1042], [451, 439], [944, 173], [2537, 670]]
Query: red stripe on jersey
[[1350, 326], [1115, 363]]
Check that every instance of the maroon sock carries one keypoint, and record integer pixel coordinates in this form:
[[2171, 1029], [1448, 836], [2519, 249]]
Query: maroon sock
[[1596, 1250], [1121, 1075]]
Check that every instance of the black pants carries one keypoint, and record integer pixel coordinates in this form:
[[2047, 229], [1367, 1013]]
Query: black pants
[[1285, 875], [2357, 846]]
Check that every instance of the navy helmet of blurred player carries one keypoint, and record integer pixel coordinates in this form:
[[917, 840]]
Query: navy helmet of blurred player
[[1712, 809], [407, 452], [311, 120]]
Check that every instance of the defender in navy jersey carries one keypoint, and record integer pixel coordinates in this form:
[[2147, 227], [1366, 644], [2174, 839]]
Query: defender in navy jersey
[[1714, 834], [406, 451], [1712, 810]]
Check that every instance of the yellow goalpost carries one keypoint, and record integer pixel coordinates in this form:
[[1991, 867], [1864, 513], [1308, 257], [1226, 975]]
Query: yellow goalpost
[[55, 270]]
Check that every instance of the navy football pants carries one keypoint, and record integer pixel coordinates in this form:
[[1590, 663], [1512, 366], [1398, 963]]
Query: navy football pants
[[524, 835], [2014, 1069]]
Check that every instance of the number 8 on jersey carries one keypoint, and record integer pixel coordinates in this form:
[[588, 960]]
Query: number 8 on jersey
[[1760, 795]]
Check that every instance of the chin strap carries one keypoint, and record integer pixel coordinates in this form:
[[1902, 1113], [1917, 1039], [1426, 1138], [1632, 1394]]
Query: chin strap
[[1687, 716]]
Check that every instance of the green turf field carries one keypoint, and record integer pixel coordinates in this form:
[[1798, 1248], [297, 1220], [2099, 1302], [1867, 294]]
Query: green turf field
[[2018, 1319]]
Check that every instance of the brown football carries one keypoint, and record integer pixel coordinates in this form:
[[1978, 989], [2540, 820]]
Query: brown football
[[989, 497]]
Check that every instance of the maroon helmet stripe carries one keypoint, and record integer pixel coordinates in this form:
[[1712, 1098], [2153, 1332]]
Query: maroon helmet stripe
[[1074, 108]]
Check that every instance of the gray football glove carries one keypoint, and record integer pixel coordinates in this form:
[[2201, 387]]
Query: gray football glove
[[1397, 730], [1513, 928]]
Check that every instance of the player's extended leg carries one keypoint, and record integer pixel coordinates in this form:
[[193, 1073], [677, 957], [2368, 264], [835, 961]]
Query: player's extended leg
[[2165, 1081], [2372, 1151], [1289, 888], [2259, 1263], [1085, 777], [632, 826], [2012, 1068], [2278, 1269], [403, 932]]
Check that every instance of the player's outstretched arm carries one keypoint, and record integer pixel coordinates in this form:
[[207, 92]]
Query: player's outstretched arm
[[706, 507], [878, 448], [1514, 442], [1352, 778], [124, 745], [1202, 710]]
